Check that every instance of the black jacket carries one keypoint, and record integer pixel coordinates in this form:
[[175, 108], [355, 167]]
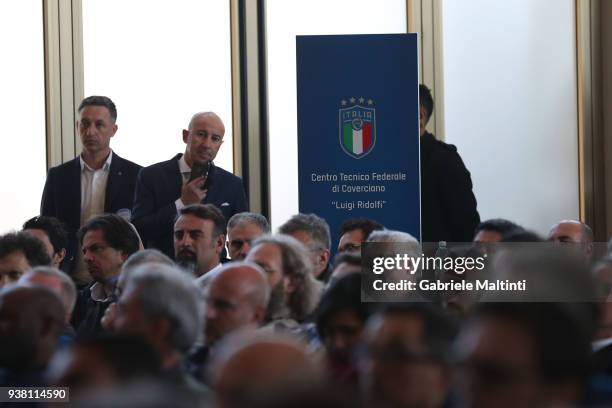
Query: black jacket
[[62, 195], [448, 205], [159, 186]]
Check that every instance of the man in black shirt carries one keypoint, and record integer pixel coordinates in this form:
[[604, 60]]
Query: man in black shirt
[[448, 205]]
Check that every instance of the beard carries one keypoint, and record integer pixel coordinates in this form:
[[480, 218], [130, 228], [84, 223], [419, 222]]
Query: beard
[[276, 305], [187, 260]]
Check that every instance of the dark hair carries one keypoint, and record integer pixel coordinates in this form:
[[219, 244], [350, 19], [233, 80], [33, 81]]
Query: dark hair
[[344, 294], [130, 357], [351, 258], [366, 226], [31, 247], [425, 100], [521, 235], [207, 212], [498, 225], [439, 331], [54, 228], [315, 226], [560, 336], [118, 233], [97, 100]]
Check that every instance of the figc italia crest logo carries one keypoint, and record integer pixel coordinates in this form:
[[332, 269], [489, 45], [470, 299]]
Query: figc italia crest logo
[[357, 126]]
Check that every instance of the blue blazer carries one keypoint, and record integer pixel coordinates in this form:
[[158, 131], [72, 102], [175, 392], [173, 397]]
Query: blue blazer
[[159, 186], [61, 196]]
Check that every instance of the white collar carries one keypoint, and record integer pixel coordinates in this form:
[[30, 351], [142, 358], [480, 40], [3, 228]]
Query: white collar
[[183, 166], [98, 294], [105, 167]]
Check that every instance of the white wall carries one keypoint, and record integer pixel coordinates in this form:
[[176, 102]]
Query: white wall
[[510, 105]]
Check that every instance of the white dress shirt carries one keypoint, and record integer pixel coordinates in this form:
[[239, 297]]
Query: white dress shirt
[[93, 188], [185, 174]]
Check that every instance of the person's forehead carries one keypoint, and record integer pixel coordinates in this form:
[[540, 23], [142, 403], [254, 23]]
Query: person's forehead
[[43, 279], [266, 253], [189, 222], [353, 236], [403, 327], [572, 230], [16, 260], [94, 112], [95, 236], [484, 236], [303, 236], [245, 230], [208, 122]]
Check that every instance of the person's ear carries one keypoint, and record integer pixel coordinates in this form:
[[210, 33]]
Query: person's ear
[[185, 136], [220, 244]]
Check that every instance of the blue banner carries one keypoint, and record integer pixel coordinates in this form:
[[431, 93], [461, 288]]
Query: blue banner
[[358, 129]]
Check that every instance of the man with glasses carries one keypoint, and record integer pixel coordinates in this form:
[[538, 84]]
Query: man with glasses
[[242, 229], [312, 231], [191, 178]]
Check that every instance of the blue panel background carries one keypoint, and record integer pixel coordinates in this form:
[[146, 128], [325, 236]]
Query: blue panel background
[[383, 68]]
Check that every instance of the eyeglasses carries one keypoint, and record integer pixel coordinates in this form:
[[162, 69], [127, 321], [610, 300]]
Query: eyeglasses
[[237, 244]]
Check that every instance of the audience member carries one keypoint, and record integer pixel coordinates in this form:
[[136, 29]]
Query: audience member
[[97, 181], [289, 272], [407, 357], [199, 239], [341, 317], [163, 305], [493, 230], [31, 320], [312, 231], [523, 355], [448, 205], [264, 370], [103, 362], [354, 231], [53, 235], [107, 241], [164, 188], [145, 256], [242, 229], [575, 235], [19, 253], [345, 263], [236, 300], [59, 283]]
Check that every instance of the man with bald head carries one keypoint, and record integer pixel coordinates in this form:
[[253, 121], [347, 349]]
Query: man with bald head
[[243, 380], [190, 178], [236, 300], [32, 319], [575, 235]]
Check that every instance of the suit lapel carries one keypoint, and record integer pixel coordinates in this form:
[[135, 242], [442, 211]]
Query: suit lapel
[[73, 195], [113, 184]]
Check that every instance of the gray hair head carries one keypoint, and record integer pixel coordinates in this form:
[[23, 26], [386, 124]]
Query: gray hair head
[[68, 290], [296, 265], [315, 226], [166, 292], [406, 242], [249, 218]]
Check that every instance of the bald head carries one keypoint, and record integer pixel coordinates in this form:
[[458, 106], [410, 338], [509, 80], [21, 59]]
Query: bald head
[[32, 320], [56, 281], [575, 233], [287, 369], [237, 298], [205, 116]]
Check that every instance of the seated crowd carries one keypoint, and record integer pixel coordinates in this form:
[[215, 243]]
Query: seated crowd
[[242, 317]]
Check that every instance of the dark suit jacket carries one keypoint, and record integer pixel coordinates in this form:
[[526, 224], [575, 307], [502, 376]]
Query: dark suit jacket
[[159, 186], [448, 205], [62, 195]]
